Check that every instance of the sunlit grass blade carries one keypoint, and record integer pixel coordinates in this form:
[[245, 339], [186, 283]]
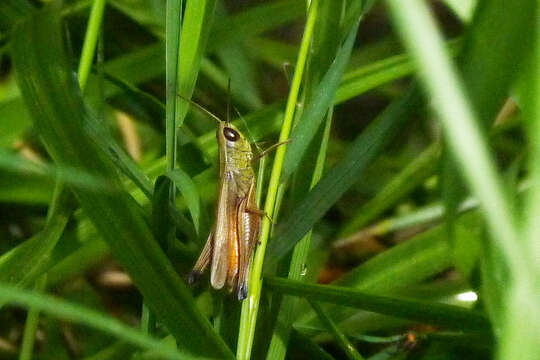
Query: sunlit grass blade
[[59, 115], [90, 41], [431, 313], [250, 306]]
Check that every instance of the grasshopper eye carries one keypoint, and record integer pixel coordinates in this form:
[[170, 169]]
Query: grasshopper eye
[[230, 134]]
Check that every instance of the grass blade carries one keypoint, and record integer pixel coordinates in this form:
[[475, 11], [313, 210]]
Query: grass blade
[[250, 306], [90, 41]]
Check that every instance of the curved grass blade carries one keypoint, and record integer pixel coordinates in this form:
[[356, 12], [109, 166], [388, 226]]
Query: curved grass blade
[[59, 116]]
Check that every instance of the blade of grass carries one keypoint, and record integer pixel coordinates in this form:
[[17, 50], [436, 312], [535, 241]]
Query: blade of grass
[[165, 228], [324, 47], [340, 338], [90, 41], [432, 313], [85, 316], [250, 306], [58, 113]]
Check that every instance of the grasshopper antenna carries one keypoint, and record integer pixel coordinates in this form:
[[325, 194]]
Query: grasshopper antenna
[[228, 101], [201, 108], [251, 138]]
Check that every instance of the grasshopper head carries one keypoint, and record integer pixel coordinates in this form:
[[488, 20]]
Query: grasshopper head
[[230, 137]]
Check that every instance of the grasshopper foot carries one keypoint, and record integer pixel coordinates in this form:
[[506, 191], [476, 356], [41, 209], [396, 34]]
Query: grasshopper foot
[[193, 277]]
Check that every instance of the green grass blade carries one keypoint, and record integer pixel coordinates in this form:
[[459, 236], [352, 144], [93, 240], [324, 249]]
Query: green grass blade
[[58, 113], [432, 313], [347, 347], [360, 153], [90, 41], [251, 304], [173, 27], [76, 313]]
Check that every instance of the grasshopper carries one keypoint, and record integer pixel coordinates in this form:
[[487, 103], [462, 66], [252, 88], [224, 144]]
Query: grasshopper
[[232, 240]]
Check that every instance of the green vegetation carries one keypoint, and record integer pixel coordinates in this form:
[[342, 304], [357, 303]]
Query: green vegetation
[[402, 215]]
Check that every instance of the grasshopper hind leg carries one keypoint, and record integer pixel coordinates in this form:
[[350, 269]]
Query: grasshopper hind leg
[[202, 262]]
